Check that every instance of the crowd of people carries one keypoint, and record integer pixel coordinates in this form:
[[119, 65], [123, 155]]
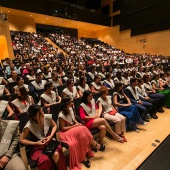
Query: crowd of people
[[114, 87]]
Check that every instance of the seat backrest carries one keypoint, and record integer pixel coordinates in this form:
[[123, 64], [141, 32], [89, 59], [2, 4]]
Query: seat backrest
[[55, 110], [23, 118], [77, 102], [96, 96], [60, 89]]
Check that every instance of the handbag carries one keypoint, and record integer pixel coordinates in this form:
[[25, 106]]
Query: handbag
[[50, 148], [113, 112]]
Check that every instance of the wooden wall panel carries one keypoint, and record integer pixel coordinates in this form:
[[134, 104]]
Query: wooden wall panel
[[6, 49], [18, 23], [87, 34], [157, 43]]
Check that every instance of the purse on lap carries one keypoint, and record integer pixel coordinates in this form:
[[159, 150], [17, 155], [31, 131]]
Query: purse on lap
[[113, 112], [50, 148]]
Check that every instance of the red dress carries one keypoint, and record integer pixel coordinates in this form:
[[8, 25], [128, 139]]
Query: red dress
[[88, 122]]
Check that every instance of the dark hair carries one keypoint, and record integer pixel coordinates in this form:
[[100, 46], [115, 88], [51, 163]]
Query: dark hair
[[145, 77], [18, 78], [23, 93], [132, 80], [32, 112], [47, 85], [140, 80], [162, 74], [96, 77], [69, 81], [108, 75], [85, 95], [30, 70], [81, 81], [118, 84], [45, 70], [64, 102]]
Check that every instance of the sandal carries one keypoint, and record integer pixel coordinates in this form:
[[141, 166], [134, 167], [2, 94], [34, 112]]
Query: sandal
[[102, 147], [87, 163], [125, 140], [120, 139]]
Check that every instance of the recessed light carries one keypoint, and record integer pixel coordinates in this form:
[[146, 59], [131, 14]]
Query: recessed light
[[8, 11], [43, 22], [47, 18], [30, 15]]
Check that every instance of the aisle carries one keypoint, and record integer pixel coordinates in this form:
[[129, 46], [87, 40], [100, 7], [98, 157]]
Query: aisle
[[130, 155]]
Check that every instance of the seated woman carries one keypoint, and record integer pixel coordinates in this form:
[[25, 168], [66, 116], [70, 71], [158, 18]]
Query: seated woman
[[5, 109], [71, 133], [95, 86], [152, 93], [70, 90], [49, 97], [31, 74], [126, 78], [37, 135], [164, 82], [82, 86], [47, 72], [20, 82], [55, 79], [156, 85], [126, 108], [13, 77], [4, 90], [102, 72], [90, 113], [110, 113], [23, 100], [109, 82]]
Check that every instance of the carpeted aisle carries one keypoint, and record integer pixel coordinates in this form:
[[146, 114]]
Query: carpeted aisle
[[159, 159]]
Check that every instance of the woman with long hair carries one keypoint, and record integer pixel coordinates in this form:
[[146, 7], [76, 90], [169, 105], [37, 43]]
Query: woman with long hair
[[71, 133], [126, 108], [23, 100], [20, 82], [96, 84], [110, 113], [37, 135], [82, 86], [70, 90], [55, 79], [90, 113], [49, 97]]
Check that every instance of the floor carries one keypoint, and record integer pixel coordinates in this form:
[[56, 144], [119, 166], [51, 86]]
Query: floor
[[128, 156]]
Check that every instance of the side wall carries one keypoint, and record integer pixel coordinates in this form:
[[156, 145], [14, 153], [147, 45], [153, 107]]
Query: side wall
[[156, 43]]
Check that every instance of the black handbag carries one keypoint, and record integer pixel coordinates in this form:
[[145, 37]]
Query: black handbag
[[50, 148]]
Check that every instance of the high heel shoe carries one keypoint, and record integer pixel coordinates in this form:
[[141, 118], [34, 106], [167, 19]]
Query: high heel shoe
[[120, 139], [122, 136], [101, 148], [87, 163]]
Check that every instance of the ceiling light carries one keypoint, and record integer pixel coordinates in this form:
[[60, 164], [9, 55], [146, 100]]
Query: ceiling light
[[30, 15], [8, 11]]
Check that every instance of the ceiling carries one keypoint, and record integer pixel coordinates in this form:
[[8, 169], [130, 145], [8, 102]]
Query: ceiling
[[55, 21]]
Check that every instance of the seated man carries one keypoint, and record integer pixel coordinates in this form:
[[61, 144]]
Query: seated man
[[143, 107], [9, 160]]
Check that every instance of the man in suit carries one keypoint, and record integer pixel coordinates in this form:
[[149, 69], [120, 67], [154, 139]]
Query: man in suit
[[143, 107], [9, 137]]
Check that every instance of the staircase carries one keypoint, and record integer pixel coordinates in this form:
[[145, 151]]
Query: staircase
[[56, 46]]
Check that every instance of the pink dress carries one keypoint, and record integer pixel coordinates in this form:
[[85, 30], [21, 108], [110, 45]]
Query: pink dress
[[88, 122], [78, 139]]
